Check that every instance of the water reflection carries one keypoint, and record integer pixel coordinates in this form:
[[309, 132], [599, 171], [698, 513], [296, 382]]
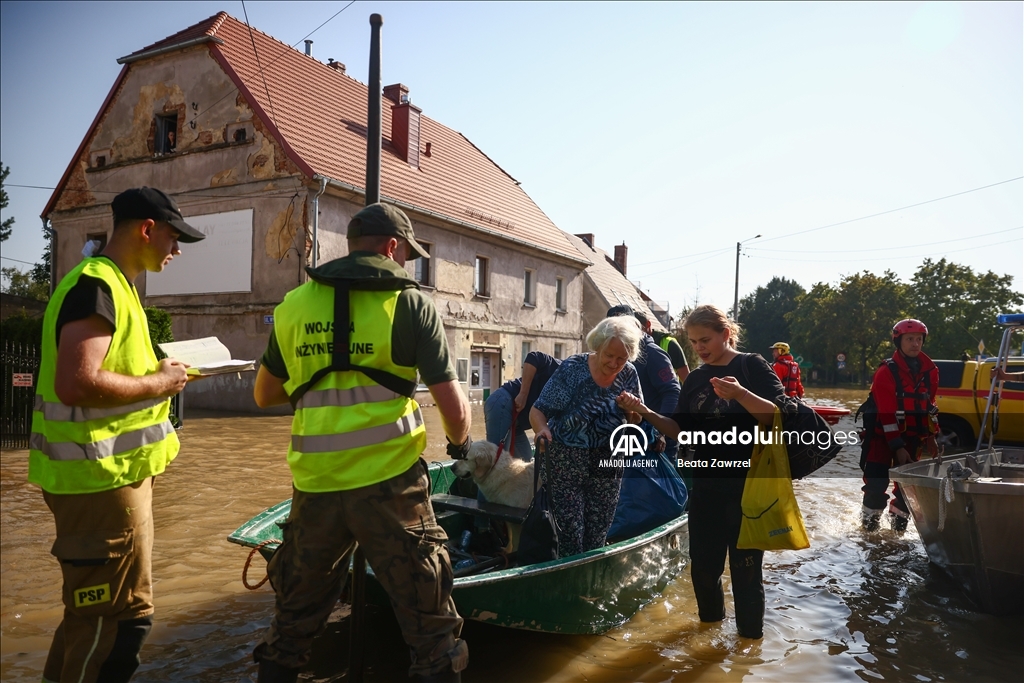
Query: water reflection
[[854, 606]]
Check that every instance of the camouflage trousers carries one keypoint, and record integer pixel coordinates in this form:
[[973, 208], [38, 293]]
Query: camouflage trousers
[[404, 545]]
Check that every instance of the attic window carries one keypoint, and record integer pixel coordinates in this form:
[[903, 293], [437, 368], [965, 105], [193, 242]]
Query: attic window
[[101, 161], [239, 133], [166, 133]]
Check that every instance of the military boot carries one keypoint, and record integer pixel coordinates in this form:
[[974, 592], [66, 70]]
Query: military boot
[[870, 518]]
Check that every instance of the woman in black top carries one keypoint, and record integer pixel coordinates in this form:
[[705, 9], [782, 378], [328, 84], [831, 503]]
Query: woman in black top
[[730, 390]]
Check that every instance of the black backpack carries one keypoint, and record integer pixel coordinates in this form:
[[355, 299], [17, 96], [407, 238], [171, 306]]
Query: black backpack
[[869, 409], [804, 458]]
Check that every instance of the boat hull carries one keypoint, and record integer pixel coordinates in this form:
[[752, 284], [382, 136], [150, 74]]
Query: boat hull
[[589, 593], [981, 544]]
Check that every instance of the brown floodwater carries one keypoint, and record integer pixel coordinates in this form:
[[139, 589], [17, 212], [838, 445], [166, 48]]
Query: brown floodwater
[[854, 606]]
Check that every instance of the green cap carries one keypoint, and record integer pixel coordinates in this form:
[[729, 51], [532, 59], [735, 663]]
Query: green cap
[[384, 219]]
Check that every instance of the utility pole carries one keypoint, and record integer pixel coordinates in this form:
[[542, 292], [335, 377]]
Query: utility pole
[[736, 293]]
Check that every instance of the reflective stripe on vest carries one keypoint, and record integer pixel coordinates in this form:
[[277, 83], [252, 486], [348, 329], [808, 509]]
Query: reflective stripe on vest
[[345, 397], [58, 412], [76, 449], [102, 449], [348, 431], [328, 443]]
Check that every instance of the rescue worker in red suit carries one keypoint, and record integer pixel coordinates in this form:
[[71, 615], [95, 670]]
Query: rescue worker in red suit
[[906, 422], [787, 369]]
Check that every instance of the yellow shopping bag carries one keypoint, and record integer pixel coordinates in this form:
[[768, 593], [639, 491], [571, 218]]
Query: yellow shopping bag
[[771, 517]]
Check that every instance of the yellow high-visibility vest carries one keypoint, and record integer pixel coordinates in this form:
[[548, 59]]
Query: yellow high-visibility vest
[[348, 431], [87, 450]]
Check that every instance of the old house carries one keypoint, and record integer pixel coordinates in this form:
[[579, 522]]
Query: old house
[[263, 148], [605, 284]]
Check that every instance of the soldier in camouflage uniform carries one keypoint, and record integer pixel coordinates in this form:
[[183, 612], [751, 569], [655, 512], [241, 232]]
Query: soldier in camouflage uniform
[[357, 437]]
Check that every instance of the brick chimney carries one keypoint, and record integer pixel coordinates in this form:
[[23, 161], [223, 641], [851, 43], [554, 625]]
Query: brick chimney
[[587, 237], [620, 257], [337, 66], [405, 124]]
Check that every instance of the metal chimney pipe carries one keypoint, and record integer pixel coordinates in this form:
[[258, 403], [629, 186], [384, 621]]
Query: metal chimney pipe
[[309, 47], [373, 114], [357, 620]]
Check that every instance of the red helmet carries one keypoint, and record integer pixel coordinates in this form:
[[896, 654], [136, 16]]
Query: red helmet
[[909, 326]]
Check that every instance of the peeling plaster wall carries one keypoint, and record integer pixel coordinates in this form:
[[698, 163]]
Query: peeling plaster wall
[[207, 173], [210, 173]]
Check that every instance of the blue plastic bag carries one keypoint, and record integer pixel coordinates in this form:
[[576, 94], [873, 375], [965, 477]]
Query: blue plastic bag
[[649, 497]]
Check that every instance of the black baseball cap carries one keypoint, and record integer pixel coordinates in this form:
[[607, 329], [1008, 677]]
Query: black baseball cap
[[149, 202], [384, 219]]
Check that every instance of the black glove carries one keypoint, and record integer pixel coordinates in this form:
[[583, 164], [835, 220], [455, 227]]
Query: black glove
[[458, 451]]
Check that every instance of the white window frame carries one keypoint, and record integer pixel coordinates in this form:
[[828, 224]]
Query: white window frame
[[560, 294], [529, 287], [422, 264], [482, 277]]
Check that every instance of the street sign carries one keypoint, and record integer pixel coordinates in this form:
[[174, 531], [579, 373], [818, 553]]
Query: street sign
[[841, 357], [841, 365], [268, 320], [981, 346], [21, 379]]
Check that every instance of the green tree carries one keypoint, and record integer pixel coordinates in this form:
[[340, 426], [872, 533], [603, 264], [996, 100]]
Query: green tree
[[763, 315], [960, 306], [867, 306], [5, 228], [813, 326], [159, 328], [692, 359], [23, 284]]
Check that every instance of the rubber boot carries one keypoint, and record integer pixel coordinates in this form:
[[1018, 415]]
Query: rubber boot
[[898, 519], [870, 518]]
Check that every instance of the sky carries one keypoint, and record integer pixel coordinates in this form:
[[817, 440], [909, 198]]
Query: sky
[[677, 129]]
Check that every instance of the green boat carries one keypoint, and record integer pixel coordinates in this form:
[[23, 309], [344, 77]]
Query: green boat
[[589, 593]]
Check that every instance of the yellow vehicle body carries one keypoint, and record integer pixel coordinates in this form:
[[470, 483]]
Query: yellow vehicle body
[[962, 396]]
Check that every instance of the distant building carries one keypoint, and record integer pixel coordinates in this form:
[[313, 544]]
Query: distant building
[[605, 284], [271, 166]]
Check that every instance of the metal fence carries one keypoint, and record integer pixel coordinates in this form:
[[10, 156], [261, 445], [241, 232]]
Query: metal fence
[[20, 374]]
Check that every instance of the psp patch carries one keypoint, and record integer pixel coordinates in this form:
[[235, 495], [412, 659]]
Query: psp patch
[[93, 595]]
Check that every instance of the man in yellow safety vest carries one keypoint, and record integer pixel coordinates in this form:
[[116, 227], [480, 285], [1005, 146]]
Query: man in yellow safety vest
[[100, 434], [345, 351]]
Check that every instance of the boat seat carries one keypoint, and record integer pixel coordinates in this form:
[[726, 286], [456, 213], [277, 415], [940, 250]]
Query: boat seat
[[472, 506]]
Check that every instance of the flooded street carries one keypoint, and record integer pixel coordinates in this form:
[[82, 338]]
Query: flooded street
[[855, 606]]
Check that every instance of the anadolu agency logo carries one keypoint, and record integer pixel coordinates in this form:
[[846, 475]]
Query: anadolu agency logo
[[627, 440]]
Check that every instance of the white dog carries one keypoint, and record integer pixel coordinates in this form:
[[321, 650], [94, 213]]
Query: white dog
[[509, 481]]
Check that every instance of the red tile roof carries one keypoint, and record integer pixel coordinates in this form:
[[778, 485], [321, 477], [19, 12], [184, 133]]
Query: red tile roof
[[320, 116], [609, 281], [207, 27]]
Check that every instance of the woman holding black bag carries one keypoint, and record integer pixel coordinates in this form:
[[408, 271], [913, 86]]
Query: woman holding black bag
[[576, 413], [729, 391]]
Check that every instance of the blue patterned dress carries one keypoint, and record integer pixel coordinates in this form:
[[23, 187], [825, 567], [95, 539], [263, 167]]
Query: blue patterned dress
[[581, 416]]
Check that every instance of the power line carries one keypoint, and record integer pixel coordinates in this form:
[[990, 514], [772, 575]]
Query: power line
[[902, 208], [284, 192], [856, 251], [234, 89], [266, 89], [676, 258], [684, 265], [8, 258], [887, 258]]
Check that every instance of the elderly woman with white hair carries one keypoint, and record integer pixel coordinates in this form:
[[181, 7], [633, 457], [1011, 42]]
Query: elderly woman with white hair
[[577, 414]]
